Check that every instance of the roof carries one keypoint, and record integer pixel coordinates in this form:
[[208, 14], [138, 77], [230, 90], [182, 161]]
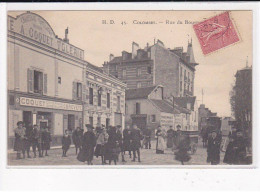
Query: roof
[[177, 108], [183, 101], [96, 68], [138, 93], [164, 106], [116, 60]]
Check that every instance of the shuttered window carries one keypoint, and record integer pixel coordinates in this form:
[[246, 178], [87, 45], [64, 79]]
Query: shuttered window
[[137, 108], [30, 80], [37, 82], [91, 96], [108, 100]]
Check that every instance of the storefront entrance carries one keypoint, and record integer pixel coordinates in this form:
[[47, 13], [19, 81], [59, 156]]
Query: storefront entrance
[[27, 118], [71, 122], [44, 120], [139, 120]]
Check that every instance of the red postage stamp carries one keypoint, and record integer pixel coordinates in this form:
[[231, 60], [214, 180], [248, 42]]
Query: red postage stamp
[[216, 33]]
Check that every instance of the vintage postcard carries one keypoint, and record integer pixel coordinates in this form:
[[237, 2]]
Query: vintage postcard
[[129, 88]]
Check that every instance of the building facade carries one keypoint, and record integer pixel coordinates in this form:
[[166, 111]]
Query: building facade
[[204, 114], [47, 79], [156, 65], [105, 98]]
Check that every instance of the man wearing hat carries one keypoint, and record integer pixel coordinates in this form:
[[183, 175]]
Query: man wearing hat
[[19, 143], [239, 147], [89, 143], [213, 148]]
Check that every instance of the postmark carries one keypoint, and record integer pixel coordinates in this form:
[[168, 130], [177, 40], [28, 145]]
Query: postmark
[[216, 33]]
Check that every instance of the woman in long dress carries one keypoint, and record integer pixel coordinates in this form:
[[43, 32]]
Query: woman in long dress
[[160, 144], [183, 147]]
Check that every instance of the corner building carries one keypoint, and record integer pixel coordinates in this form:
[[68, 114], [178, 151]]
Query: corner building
[[47, 83]]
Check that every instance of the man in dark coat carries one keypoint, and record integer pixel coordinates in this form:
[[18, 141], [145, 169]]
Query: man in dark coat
[[239, 146], [66, 141], [170, 137], [89, 143], [35, 140], [136, 137], [127, 139], [77, 136], [147, 138], [213, 149], [46, 141], [120, 147], [28, 139]]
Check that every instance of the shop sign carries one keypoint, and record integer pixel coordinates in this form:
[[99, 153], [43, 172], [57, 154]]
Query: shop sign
[[166, 120], [35, 27], [23, 101]]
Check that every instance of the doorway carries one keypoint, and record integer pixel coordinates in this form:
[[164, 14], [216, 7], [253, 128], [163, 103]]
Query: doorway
[[27, 118], [71, 122]]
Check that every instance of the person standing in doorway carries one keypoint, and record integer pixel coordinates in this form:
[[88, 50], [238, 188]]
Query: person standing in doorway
[[19, 144], [136, 137], [101, 141], [66, 141], [213, 148]]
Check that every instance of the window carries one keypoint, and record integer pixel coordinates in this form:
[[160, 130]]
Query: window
[[181, 72], [153, 118], [107, 122], [149, 70], [139, 71], [124, 73], [108, 100], [99, 121], [118, 103], [99, 97], [180, 85], [91, 96], [38, 82], [137, 108], [59, 80], [139, 85], [79, 91], [91, 121]]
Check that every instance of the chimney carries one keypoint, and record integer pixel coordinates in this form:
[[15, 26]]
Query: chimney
[[147, 46], [66, 35], [111, 57], [135, 47]]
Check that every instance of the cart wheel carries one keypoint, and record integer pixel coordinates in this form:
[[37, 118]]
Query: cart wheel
[[193, 148]]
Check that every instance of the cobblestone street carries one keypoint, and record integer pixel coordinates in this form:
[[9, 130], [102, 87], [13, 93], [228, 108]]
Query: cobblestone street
[[148, 157]]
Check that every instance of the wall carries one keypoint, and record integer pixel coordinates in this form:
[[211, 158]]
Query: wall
[[166, 70]]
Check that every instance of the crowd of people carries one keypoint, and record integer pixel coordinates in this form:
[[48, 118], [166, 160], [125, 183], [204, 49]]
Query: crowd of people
[[111, 144], [31, 136]]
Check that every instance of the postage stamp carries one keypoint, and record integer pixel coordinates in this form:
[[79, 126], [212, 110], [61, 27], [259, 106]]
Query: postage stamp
[[216, 33]]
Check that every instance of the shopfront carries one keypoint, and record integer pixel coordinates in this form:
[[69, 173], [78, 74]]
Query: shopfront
[[55, 114]]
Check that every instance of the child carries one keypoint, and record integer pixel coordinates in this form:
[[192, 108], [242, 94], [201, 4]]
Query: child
[[66, 141]]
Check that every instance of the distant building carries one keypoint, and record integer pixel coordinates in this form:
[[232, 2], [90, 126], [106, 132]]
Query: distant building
[[225, 125], [204, 114], [147, 108], [156, 65]]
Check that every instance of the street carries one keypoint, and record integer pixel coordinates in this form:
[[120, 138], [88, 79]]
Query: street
[[148, 157]]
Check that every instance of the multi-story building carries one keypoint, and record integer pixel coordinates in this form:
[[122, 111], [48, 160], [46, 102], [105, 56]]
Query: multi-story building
[[105, 98], [156, 65], [47, 80]]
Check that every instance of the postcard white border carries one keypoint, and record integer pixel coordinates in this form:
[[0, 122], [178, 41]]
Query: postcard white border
[[135, 177]]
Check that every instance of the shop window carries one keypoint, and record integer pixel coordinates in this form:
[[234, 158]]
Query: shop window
[[91, 96], [137, 108], [118, 103], [91, 121], [153, 118], [108, 100]]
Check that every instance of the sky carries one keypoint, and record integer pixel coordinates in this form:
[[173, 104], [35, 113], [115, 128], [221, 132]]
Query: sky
[[215, 72]]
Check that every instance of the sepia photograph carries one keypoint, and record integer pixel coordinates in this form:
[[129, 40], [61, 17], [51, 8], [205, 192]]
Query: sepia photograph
[[129, 88]]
